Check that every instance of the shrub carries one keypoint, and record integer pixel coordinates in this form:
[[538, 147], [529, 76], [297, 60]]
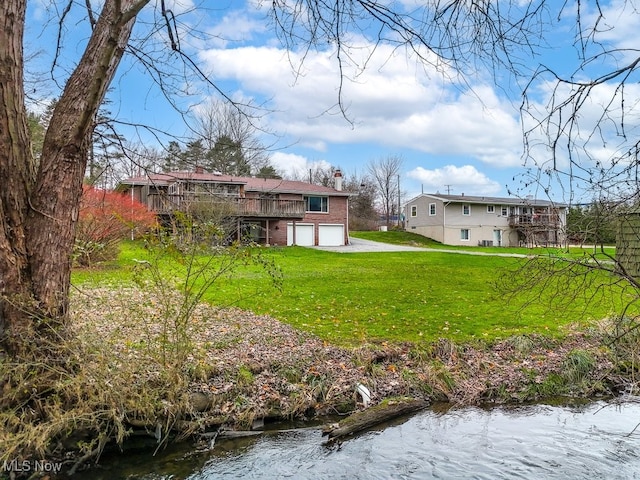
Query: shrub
[[106, 218]]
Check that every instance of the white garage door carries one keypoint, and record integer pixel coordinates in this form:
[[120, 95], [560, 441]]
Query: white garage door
[[331, 235], [304, 234]]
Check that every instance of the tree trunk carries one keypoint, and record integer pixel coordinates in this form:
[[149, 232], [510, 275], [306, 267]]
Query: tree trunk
[[39, 208], [17, 170], [373, 416]]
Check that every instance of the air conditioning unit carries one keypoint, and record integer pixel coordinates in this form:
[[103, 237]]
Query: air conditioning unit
[[487, 243]]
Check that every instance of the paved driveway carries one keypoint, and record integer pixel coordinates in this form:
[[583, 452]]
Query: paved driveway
[[359, 245]]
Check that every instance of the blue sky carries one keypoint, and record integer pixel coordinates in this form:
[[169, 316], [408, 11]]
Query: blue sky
[[451, 136]]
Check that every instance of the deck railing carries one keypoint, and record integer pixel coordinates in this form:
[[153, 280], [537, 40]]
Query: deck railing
[[242, 207], [550, 220]]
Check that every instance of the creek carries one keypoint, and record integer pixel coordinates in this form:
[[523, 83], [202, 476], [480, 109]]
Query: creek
[[596, 440]]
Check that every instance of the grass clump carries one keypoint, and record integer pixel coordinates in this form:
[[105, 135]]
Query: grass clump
[[577, 366]]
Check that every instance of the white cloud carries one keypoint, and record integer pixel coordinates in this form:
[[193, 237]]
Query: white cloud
[[392, 103], [235, 26], [466, 179], [618, 25], [296, 166]]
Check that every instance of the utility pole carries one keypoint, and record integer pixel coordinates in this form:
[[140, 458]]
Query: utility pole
[[448, 189], [398, 201]]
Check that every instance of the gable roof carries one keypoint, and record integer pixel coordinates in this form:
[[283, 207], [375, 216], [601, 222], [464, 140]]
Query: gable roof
[[251, 184], [530, 202]]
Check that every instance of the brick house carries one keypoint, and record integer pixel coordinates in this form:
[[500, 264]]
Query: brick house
[[270, 211]]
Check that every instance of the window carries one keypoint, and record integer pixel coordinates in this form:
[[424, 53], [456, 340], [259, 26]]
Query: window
[[491, 209], [414, 211], [432, 209], [464, 234], [466, 209], [503, 211], [316, 204]]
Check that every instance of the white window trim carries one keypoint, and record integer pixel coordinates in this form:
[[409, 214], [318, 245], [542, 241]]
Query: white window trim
[[314, 211], [491, 209], [468, 235], [414, 210], [434, 209], [468, 205]]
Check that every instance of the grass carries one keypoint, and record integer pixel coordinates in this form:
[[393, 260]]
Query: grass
[[403, 296], [397, 237]]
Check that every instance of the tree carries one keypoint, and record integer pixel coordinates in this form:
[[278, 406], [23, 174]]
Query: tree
[[39, 201], [105, 153], [106, 218], [319, 173], [227, 156], [593, 224], [173, 159], [362, 210], [385, 175], [194, 155], [230, 138], [268, 171]]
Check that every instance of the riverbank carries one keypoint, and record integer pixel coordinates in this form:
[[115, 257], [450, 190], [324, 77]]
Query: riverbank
[[138, 371]]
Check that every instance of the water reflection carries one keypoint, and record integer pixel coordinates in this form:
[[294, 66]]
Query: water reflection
[[594, 441]]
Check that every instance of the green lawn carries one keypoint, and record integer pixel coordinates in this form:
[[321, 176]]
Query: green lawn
[[404, 296], [413, 239]]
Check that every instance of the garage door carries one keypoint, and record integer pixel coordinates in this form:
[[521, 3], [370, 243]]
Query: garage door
[[304, 234], [330, 235]]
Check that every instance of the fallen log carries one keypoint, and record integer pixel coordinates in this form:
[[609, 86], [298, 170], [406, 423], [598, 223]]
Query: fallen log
[[362, 420]]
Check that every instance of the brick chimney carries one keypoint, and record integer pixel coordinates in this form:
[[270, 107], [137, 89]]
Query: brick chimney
[[337, 177]]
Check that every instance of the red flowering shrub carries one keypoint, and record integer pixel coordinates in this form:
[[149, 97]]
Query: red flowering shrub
[[106, 218]]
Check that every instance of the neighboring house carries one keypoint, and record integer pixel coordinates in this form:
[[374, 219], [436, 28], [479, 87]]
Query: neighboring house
[[271, 211], [486, 221]]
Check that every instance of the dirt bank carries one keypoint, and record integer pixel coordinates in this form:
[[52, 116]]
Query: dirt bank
[[141, 363]]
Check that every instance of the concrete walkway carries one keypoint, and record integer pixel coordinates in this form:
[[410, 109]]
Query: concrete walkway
[[359, 245]]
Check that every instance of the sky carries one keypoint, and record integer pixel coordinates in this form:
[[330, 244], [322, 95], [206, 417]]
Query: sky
[[452, 136]]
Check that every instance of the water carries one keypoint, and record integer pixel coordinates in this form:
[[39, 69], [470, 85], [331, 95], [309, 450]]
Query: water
[[593, 441]]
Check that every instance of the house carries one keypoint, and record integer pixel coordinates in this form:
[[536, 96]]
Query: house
[[486, 221], [271, 211]]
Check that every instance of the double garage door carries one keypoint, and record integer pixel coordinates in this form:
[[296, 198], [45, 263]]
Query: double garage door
[[329, 235]]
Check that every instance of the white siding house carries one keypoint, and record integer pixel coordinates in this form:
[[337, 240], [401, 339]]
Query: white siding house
[[486, 221]]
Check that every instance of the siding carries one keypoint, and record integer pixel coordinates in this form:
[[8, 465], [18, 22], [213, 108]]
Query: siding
[[449, 220], [628, 243]]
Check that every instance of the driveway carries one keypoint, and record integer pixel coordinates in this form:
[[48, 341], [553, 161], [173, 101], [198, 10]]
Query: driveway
[[359, 245]]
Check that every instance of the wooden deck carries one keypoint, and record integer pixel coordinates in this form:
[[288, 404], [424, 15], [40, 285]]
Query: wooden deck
[[233, 206]]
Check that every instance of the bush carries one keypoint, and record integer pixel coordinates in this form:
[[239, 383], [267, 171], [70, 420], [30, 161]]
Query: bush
[[106, 218]]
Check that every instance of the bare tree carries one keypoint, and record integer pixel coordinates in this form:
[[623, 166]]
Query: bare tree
[[230, 138], [385, 174], [362, 209], [318, 173]]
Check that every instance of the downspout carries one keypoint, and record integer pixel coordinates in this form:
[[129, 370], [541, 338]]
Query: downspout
[[293, 240], [347, 225]]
